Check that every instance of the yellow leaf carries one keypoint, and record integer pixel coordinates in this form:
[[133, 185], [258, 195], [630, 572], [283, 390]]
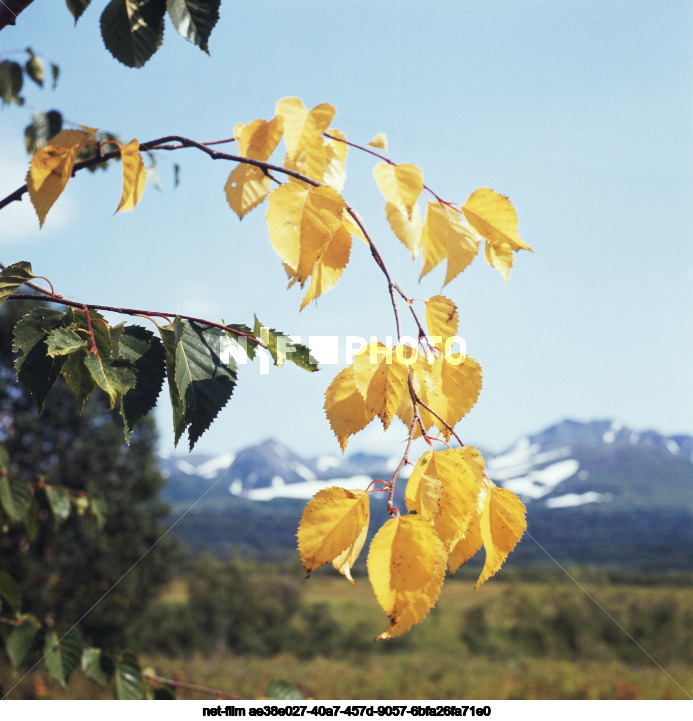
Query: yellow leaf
[[406, 567], [502, 524], [334, 174], [441, 318], [466, 547], [381, 379], [329, 267], [400, 184], [408, 230], [426, 379], [134, 175], [493, 216], [352, 226], [258, 139], [303, 130], [379, 141], [345, 407], [443, 489], [301, 224], [51, 168], [302, 126], [446, 236], [283, 217], [246, 188], [457, 391], [333, 529]]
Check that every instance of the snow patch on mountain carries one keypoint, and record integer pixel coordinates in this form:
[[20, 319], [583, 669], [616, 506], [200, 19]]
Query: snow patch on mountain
[[325, 463], [305, 490], [303, 471], [577, 499], [214, 466], [541, 482]]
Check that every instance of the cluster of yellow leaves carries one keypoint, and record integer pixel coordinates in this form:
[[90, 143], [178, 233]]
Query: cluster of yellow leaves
[[453, 510], [447, 233], [309, 225], [376, 384], [52, 166]]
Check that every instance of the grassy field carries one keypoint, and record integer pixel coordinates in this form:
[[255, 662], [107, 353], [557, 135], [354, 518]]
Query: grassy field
[[532, 640]]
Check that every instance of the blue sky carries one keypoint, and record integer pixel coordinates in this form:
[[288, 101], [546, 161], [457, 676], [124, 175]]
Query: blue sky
[[581, 112]]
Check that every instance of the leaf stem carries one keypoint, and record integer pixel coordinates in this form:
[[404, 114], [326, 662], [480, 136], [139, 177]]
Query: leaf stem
[[190, 686]]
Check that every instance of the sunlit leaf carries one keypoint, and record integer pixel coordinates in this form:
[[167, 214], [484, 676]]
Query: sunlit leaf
[[381, 378], [51, 168], [282, 348], [129, 681], [502, 524], [257, 140], [408, 230], [246, 188], [400, 184], [406, 567], [493, 216], [134, 175], [333, 529], [441, 318], [446, 236], [379, 141], [457, 390], [345, 407], [443, 488], [15, 496], [329, 267]]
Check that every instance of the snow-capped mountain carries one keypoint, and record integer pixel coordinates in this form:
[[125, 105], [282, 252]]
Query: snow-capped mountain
[[601, 462], [595, 492], [567, 465]]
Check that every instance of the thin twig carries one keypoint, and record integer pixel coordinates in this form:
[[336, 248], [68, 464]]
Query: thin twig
[[190, 686]]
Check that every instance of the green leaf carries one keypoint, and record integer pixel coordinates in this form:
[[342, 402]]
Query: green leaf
[[42, 129], [281, 347], [99, 327], [77, 7], [99, 510], [283, 691], [205, 373], [168, 336], [10, 590], [142, 348], [78, 378], [34, 69], [128, 677], [64, 341], [194, 19], [116, 376], [20, 641], [97, 665], [32, 520], [11, 81], [13, 277], [4, 458], [59, 501], [248, 344], [133, 30], [36, 370], [15, 497], [62, 654]]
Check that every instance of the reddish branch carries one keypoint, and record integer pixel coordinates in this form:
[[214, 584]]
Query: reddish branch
[[177, 142], [51, 298]]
